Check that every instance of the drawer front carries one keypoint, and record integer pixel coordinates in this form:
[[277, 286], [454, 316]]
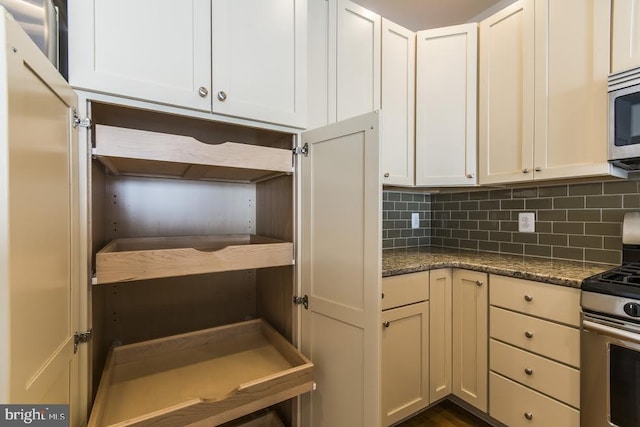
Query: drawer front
[[552, 302], [558, 342], [405, 289], [512, 404], [549, 377]]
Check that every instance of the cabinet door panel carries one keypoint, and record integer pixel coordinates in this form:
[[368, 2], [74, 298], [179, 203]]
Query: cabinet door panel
[[470, 337], [446, 113], [506, 95], [398, 103], [572, 63], [259, 60], [341, 272], [357, 84], [405, 361], [39, 280], [155, 50], [440, 324], [625, 35]]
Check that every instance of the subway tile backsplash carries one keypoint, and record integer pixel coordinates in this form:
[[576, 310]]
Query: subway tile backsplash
[[580, 222]]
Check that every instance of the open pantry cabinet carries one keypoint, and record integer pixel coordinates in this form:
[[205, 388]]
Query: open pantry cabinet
[[177, 251]]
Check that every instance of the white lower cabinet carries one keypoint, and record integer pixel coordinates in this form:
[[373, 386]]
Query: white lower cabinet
[[534, 353], [440, 335], [405, 346]]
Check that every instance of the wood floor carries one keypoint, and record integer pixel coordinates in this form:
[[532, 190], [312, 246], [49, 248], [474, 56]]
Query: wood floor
[[445, 414]]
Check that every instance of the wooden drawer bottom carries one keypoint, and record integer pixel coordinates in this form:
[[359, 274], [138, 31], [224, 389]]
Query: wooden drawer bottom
[[513, 405]]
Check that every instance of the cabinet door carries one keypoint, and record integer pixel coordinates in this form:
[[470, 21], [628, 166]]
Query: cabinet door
[[154, 50], [356, 84], [446, 105], [470, 337], [572, 64], [259, 60], [506, 95], [405, 361], [440, 324], [340, 271], [398, 103], [625, 35], [39, 259]]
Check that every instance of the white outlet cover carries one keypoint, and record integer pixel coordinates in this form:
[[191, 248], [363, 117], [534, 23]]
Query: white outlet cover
[[526, 222], [415, 220]]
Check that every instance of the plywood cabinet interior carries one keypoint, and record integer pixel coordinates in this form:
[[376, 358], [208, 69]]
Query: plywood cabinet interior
[[446, 118], [215, 58], [625, 35], [398, 103], [470, 337]]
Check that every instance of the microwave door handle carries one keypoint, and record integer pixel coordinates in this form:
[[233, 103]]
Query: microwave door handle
[[611, 332]]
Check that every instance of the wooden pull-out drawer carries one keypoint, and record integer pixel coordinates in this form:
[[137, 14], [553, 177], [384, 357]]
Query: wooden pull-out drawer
[[516, 405], [549, 377], [405, 289], [558, 342], [552, 302]]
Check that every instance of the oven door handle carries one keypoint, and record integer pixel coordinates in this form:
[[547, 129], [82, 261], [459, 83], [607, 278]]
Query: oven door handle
[[611, 332]]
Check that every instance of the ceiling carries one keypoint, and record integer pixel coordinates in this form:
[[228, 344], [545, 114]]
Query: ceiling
[[425, 14]]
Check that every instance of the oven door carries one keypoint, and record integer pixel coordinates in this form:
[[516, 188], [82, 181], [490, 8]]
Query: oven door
[[609, 373]]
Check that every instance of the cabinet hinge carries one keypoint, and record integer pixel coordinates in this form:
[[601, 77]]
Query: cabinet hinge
[[84, 122], [302, 300], [81, 338], [302, 150]]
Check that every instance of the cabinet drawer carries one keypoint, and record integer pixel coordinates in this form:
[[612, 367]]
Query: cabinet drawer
[[558, 303], [512, 404], [549, 377], [558, 342], [405, 289]]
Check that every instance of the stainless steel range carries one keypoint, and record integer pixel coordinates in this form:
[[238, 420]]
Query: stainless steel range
[[610, 339]]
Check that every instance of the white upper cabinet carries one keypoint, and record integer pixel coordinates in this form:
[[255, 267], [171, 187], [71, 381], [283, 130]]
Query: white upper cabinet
[[446, 105], [543, 91], [259, 51], [356, 82], [398, 103], [625, 35], [208, 55], [154, 50], [506, 95]]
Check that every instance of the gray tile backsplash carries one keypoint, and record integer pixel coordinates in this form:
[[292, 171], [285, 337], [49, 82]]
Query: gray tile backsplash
[[573, 221]]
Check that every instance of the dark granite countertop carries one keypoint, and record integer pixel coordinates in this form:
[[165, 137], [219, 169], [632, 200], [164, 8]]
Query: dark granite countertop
[[557, 272]]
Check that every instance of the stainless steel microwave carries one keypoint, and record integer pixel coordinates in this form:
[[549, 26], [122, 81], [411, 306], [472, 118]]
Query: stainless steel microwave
[[624, 119]]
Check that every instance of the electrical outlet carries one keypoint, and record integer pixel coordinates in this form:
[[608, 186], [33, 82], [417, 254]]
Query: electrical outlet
[[415, 220], [526, 222]]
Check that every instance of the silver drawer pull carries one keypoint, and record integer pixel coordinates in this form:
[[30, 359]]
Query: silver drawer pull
[[203, 92], [386, 324], [528, 298], [386, 175], [528, 415], [528, 371], [222, 96], [528, 334], [470, 176]]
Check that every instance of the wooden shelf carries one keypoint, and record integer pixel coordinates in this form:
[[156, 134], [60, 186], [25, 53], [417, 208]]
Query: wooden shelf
[[143, 153], [125, 260], [209, 377]]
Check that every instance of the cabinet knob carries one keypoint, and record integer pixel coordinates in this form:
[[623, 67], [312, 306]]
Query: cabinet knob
[[479, 283], [470, 176], [222, 96], [383, 295], [528, 334], [528, 415], [528, 298], [528, 371], [386, 324], [386, 174], [203, 92], [525, 170], [538, 169]]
